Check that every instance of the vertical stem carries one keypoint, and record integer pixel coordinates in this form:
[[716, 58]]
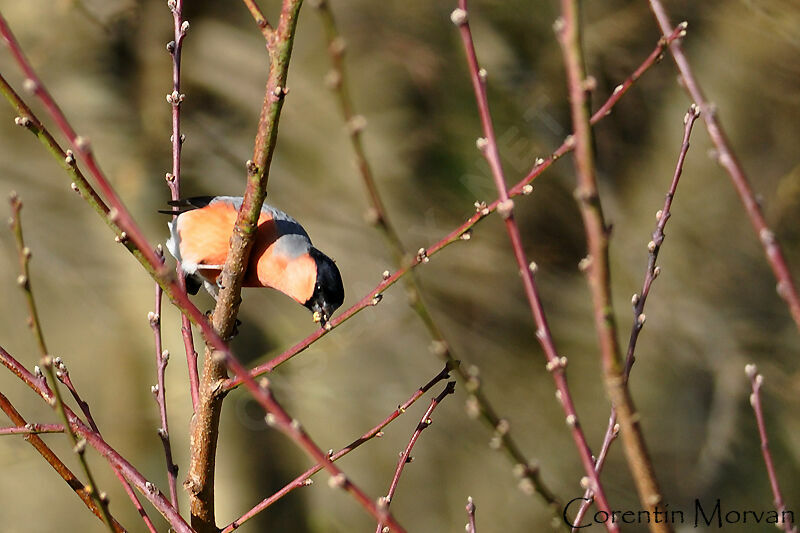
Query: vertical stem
[[205, 424], [597, 268], [175, 99], [160, 393]]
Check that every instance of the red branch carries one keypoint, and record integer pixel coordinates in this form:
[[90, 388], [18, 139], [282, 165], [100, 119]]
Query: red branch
[[62, 373], [32, 429], [58, 465], [173, 178]]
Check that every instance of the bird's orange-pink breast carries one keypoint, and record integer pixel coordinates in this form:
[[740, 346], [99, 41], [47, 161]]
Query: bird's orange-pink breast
[[205, 239], [293, 277]]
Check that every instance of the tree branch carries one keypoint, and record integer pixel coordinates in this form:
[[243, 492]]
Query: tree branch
[[38, 384], [639, 300], [304, 479], [596, 266]]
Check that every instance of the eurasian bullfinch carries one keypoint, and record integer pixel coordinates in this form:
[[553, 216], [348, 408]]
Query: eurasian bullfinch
[[282, 257]]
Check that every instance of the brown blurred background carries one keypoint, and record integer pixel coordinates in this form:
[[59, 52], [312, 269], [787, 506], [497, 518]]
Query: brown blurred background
[[713, 309]]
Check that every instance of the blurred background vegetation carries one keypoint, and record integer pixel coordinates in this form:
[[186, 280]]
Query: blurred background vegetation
[[713, 309]]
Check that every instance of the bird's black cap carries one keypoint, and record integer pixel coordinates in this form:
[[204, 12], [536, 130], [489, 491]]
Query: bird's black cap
[[328, 288]]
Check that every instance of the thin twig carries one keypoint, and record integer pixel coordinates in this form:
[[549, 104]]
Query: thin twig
[[756, 380], [304, 479], [654, 246], [405, 455], [471, 516], [378, 216], [23, 280], [58, 465], [555, 364], [638, 300], [175, 99], [725, 156], [32, 429], [160, 393], [149, 490], [260, 19]]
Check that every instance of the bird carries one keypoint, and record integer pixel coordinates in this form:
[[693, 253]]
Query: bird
[[282, 257]]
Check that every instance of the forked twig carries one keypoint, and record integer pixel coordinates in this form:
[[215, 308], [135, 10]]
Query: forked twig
[[638, 300]]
